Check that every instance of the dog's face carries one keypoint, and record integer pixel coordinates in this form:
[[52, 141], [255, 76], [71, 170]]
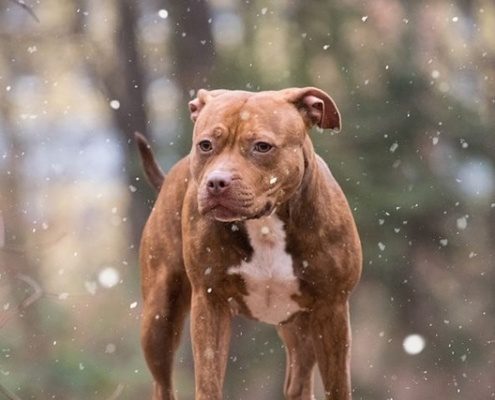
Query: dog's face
[[247, 155]]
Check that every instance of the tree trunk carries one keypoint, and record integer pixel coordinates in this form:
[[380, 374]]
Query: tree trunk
[[131, 116], [193, 55], [193, 44]]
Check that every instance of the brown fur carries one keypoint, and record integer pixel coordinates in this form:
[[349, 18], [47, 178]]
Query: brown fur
[[185, 235]]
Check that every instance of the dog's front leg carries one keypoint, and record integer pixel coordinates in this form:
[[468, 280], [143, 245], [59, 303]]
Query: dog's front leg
[[210, 333], [332, 341], [300, 358]]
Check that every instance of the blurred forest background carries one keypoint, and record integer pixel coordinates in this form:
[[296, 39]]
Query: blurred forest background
[[415, 81]]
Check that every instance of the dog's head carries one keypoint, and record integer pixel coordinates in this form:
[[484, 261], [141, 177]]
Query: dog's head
[[247, 154]]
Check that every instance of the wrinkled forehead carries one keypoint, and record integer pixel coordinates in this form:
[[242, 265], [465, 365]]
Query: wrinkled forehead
[[239, 111]]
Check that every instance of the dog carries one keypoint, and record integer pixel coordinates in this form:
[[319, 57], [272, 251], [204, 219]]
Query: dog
[[251, 222]]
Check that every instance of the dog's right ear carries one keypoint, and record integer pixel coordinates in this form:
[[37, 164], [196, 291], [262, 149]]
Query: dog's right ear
[[202, 97]]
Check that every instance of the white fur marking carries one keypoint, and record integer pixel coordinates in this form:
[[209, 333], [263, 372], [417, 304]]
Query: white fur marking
[[269, 276]]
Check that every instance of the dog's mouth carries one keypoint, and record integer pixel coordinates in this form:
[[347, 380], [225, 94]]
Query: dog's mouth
[[224, 212]]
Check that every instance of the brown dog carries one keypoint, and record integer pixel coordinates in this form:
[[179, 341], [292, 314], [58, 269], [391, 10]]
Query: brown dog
[[251, 222]]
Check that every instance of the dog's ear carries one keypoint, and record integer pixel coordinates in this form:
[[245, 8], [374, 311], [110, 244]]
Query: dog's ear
[[318, 107], [203, 95], [196, 105]]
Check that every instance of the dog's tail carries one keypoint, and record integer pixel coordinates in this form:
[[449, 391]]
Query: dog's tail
[[152, 170]]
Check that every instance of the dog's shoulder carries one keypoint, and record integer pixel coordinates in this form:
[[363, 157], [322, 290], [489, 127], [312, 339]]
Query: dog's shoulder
[[325, 169], [175, 184]]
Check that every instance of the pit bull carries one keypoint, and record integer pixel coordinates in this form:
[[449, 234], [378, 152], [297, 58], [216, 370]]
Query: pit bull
[[251, 222]]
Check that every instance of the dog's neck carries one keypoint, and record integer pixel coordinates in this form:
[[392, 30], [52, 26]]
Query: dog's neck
[[310, 176], [301, 206]]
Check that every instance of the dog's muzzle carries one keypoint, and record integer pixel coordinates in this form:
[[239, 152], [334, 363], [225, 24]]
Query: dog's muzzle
[[224, 197]]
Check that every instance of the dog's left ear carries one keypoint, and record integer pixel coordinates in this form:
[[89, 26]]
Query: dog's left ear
[[316, 105]]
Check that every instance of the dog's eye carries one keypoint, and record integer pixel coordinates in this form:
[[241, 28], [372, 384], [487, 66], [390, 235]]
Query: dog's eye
[[205, 146], [262, 147]]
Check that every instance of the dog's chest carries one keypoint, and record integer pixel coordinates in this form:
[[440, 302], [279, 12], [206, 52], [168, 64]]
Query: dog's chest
[[268, 275]]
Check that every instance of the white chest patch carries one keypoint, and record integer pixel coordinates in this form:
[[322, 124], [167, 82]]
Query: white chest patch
[[269, 276]]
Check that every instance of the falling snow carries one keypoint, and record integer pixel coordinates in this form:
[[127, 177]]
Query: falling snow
[[115, 104], [108, 277], [413, 344], [462, 222], [163, 14]]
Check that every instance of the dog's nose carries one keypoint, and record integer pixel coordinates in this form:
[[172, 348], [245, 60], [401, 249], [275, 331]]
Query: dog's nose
[[218, 182]]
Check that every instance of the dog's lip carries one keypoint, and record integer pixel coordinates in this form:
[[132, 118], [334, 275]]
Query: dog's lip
[[222, 212], [234, 203], [221, 203]]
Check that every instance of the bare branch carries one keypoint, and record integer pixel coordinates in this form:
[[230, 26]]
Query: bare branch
[[28, 301], [29, 9], [7, 394], [2, 231], [117, 392], [37, 290], [44, 245]]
